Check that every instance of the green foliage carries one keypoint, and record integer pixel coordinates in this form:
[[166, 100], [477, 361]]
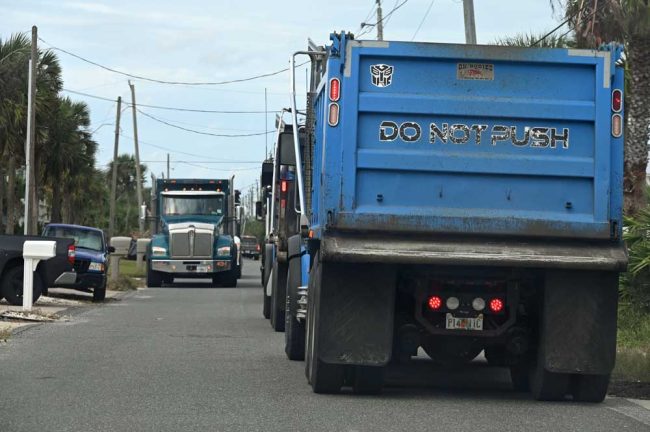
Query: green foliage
[[536, 40], [635, 283], [256, 228]]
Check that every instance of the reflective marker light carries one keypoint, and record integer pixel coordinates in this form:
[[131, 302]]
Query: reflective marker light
[[335, 89], [333, 118], [434, 303], [617, 125], [453, 303], [284, 185], [496, 305], [617, 100], [478, 304]]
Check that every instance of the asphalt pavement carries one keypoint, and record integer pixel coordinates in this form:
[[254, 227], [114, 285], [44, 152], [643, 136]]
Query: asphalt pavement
[[196, 358]]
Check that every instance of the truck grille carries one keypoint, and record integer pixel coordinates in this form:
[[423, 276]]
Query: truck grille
[[191, 242]]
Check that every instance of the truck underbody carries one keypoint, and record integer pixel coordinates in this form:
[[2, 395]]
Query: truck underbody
[[544, 309]]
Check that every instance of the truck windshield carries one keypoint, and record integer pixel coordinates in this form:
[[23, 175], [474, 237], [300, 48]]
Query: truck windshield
[[193, 205], [87, 239]]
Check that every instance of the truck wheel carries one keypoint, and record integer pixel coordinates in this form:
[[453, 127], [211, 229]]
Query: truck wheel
[[368, 379], [278, 295], [230, 278], [294, 330], [99, 293], [323, 377], [545, 385], [266, 306], [154, 278], [12, 286], [589, 388]]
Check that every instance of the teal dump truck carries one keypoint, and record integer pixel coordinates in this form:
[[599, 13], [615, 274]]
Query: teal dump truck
[[195, 226]]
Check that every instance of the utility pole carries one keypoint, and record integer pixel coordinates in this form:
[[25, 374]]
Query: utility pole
[[168, 165], [470, 24], [31, 206], [137, 156], [380, 22], [111, 221]]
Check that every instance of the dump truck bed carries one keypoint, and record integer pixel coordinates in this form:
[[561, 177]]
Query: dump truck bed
[[438, 138]]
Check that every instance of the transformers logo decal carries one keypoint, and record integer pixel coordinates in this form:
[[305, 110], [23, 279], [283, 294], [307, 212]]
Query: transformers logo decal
[[382, 75]]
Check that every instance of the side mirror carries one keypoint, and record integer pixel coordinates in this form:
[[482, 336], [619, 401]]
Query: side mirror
[[143, 212], [111, 249], [258, 210]]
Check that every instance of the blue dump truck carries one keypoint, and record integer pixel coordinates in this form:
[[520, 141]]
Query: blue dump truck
[[459, 199], [196, 222]]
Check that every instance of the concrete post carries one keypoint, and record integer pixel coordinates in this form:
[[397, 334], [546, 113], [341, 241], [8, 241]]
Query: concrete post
[[141, 250]]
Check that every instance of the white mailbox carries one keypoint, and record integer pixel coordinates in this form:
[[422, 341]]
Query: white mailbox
[[142, 245], [34, 251], [121, 245], [39, 250]]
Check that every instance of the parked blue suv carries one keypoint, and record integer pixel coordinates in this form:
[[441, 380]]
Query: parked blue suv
[[91, 260]]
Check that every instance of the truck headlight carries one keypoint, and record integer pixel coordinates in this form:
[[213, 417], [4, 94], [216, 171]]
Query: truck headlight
[[158, 251], [95, 266], [222, 251]]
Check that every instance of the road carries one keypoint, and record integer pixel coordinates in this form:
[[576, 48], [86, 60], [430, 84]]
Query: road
[[194, 358]]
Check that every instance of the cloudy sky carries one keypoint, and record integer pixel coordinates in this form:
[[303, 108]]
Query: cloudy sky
[[217, 40]]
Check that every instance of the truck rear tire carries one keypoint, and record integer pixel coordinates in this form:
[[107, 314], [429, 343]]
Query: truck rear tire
[[99, 293], [368, 379], [266, 306], [154, 278], [12, 285], [278, 295], [545, 385], [294, 330], [323, 377], [589, 388]]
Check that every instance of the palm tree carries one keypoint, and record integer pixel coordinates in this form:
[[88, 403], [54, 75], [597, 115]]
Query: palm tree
[[598, 21], [14, 59], [536, 40]]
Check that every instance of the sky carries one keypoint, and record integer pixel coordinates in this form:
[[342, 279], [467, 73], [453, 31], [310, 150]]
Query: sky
[[217, 40]]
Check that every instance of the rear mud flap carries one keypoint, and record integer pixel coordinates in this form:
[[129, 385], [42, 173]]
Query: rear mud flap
[[579, 321], [356, 308]]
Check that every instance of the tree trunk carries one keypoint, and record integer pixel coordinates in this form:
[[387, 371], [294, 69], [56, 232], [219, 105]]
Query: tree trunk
[[2, 195], [638, 122], [57, 197], [11, 195]]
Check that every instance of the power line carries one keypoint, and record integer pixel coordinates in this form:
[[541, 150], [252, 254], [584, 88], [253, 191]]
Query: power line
[[201, 132], [385, 17], [424, 18], [160, 81], [168, 108], [565, 22], [170, 150]]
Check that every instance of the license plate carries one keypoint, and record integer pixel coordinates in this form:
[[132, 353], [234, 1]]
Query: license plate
[[454, 323], [202, 269]]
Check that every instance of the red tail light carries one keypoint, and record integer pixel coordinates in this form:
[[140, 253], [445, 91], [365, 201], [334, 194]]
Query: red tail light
[[335, 89], [496, 305], [434, 303], [283, 186], [257, 247], [617, 100], [72, 253]]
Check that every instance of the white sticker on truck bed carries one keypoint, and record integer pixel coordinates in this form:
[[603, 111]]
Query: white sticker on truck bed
[[475, 71]]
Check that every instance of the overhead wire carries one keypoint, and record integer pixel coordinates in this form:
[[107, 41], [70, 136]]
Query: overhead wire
[[424, 18], [201, 132], [168, 108], [161, 81], [559, 26]]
